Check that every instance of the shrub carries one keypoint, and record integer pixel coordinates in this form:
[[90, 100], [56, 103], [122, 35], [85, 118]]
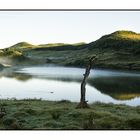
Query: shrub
[[64, 101], [11, 123], [31, 111], [133, 123], [55, 115]]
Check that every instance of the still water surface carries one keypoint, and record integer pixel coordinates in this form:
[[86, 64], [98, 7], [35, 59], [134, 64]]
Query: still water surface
[[57, 83]]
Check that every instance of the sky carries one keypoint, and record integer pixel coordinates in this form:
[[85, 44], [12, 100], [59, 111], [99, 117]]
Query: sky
[[42, 27]]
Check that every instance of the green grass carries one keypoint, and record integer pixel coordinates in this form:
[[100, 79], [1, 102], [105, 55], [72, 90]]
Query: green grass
[[38, 114]]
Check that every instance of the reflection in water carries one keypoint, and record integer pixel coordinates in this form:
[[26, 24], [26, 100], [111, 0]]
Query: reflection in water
[[64, 83], [121, 88], [10, 73]]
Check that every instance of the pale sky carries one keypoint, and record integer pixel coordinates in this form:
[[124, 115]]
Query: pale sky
[[42, 27]]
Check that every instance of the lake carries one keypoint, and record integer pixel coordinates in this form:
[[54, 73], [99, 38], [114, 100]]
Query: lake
[[57, 83]]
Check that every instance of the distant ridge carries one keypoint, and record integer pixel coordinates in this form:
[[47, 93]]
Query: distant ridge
[[117, 35], [21, 44]]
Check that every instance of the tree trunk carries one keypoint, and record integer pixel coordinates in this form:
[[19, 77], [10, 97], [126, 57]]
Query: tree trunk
[[83, 102]]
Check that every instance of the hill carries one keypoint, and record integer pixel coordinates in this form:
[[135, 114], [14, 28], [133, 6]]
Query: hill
[[118, 40], [118, 50]]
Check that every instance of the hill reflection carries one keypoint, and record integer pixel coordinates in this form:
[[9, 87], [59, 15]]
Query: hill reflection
[[120, 88]]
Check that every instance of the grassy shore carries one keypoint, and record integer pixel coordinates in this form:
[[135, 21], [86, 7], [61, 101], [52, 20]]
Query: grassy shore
[[38, 114]]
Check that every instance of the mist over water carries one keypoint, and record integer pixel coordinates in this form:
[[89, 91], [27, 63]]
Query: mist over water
[[5, 61]]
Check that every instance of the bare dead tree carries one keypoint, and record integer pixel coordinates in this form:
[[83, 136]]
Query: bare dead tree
[[83, 102]]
